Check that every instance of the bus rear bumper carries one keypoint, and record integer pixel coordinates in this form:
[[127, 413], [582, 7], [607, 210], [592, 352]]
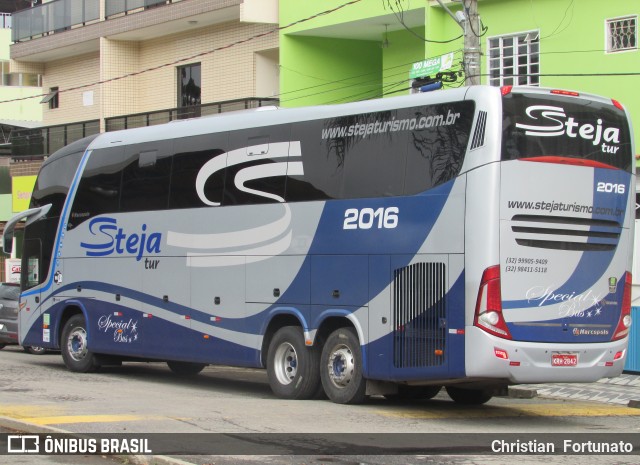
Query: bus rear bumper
[[531, 363]]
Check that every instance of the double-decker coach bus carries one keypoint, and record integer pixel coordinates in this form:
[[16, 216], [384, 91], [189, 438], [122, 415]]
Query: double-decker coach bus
[[472, 238]]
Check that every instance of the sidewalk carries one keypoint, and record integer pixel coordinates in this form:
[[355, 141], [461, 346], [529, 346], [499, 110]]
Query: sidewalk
[[622, 390]]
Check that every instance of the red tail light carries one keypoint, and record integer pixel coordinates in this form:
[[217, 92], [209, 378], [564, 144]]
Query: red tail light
[[565, 92], [617, 104], [624, 323], [506, 90], [488, 315]]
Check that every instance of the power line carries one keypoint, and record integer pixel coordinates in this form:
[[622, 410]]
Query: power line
[[198, 55]]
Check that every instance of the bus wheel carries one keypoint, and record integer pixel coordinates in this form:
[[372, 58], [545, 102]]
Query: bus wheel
[[74, 347], [186, 368], [341, 368], [468, 396], [414, 392], [293, 368]]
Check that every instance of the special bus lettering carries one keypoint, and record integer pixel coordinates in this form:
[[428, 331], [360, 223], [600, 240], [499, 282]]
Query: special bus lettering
[[114, 240]]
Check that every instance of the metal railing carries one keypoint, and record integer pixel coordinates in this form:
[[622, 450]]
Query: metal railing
[[5, 20], [116, 7], [56, 16], [40, 142], [152, 118]]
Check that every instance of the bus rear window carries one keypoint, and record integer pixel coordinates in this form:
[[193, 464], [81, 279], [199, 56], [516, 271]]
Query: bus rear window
[[565, 128]]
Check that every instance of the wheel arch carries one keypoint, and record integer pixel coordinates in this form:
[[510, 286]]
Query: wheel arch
[[71, 308], [276, 322]]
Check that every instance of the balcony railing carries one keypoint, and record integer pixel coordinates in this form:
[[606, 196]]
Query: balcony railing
[[116, 7], [40, 142], [56, 16], [152, 118]]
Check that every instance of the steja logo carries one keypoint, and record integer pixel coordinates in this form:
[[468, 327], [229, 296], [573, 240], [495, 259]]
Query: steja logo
[[110, 239], [554, 123]]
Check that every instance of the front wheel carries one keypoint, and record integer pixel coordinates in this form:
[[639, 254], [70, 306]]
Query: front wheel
[[292, 367], [341, 368], [469, 396], [74, 346]]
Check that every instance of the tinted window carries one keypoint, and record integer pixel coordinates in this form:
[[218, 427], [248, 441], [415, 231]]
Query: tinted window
[[192, 155], [257, 165], [437, 147], [99, 189], [399, 152], [56, 175], [535, 126], [145, 176]]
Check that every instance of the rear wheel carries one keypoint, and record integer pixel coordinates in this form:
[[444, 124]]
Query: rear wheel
[[341, 368], [74, 346], [469, 396], [186, 368], [292, 367]]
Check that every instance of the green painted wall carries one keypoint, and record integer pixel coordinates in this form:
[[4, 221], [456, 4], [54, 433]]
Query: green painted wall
[[313, 73]]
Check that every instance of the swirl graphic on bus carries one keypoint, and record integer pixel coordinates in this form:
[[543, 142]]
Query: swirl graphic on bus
[[251, 244]]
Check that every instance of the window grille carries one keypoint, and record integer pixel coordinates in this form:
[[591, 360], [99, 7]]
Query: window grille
[[515, 59], [622, 34]]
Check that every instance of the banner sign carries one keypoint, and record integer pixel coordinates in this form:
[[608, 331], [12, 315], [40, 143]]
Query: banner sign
[[431, 66]]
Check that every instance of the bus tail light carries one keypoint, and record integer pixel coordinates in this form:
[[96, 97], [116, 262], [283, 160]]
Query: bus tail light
[[624, 323], [488, 315], [617, 104], [506, 90]]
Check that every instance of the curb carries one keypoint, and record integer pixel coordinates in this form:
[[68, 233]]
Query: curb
[[30, 428]]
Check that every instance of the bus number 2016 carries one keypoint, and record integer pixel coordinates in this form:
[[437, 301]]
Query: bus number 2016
[[368, 218]]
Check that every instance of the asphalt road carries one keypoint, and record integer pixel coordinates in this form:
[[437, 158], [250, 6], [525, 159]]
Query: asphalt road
[[38, 395]]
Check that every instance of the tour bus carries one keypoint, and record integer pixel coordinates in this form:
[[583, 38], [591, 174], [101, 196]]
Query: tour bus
[[470, 239]]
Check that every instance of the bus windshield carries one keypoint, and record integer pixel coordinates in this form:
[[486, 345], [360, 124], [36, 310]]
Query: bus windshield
[[565, 128]]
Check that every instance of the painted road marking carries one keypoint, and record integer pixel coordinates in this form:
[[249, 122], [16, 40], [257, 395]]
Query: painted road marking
[[439, 412]]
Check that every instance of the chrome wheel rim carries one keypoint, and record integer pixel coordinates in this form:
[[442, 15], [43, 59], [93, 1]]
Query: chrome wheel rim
[[285, 363], [77, 344], [341, 366]]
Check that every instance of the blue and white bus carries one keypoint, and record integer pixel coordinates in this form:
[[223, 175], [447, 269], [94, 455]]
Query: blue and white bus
[[473, 239]]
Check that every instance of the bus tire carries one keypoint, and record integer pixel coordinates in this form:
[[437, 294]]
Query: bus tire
[[74, 346], [468, 396], [341, 368], [414, 393], [185, 368], [293, 368]]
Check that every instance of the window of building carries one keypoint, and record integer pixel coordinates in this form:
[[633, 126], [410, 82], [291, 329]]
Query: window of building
[[515, 59], [18, 79], [622, 34], [189, 90], [51, 98]]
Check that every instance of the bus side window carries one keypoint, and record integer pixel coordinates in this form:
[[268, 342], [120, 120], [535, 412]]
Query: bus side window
[[145, 177], [99, 189], [192, 154], [323, 170], [436, 150], [257, 165], [375, 163]]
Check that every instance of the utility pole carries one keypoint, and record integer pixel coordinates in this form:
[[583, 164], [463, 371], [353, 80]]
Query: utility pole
[[469, 21], [472, 31]]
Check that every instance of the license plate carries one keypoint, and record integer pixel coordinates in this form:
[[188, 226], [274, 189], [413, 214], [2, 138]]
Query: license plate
[[564, 360]]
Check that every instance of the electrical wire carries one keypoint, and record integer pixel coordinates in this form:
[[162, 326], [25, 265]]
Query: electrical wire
[[192, 57]]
